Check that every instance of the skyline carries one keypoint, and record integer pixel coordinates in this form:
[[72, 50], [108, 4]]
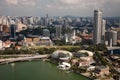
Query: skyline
[[83, 8]]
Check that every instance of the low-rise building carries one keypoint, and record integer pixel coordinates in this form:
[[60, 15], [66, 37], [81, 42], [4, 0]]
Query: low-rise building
[[38, 41], [45, 41], [75, 39], [74, 61], [84, 63], [7, 44], [102, 70]]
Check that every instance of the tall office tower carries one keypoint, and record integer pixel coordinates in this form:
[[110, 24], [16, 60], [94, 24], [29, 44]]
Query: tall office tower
[[97, 26], [46, 33], [41, 21], [66, 23], [111, 37], [103, 31], [47, 16], [74, 33], [58, 31], [107, 37], [114, 37], [13, 30], [66, 38], [46, 20]]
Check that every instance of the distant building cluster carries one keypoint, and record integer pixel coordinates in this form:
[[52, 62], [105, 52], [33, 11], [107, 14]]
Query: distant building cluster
[[69, 29], [102, 34]]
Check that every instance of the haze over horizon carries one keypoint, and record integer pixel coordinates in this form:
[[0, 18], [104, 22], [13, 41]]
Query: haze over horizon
[[83, 8]]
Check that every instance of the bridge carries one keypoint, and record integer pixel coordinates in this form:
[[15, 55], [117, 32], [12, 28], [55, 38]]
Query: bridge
[[113, 48], [9, 60]]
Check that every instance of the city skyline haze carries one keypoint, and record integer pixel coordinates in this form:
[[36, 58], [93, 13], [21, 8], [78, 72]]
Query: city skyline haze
[[83, 8]]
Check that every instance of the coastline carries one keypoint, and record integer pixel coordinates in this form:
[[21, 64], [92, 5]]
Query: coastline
[[82, 75], [52, 62]]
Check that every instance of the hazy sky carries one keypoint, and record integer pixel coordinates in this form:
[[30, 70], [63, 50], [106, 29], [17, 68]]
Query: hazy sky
[[58, 7]]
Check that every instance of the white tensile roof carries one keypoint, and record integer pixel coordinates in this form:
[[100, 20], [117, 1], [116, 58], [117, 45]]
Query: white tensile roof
[[56, 53]]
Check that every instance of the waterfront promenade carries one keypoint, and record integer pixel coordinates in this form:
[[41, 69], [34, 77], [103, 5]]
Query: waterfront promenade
[[21, 58]]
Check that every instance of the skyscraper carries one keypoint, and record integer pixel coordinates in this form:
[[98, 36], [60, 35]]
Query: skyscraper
[[46, 20], [13, 30], [58, 31], [66, 38], [97, 26], [103, 30], [111, 37], [114, 37]]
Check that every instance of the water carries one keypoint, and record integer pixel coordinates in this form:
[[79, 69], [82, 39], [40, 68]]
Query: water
[[35, 70]]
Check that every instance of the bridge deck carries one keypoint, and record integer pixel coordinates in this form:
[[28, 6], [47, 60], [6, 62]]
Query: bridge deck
[[8, 60], [113, 48]]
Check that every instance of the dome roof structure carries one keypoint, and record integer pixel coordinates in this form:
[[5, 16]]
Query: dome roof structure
[[62, 54], [85, 53]]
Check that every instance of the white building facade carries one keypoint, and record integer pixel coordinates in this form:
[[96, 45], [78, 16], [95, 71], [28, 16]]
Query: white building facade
[[97, 26]]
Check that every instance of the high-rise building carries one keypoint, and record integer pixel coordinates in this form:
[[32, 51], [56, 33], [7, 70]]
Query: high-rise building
[[13, 30], [46, 21], [66, 38], [111, 37], [74, 33], [46, 33], [114, 37], [103, 30], [58, 31], [97, 26]]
